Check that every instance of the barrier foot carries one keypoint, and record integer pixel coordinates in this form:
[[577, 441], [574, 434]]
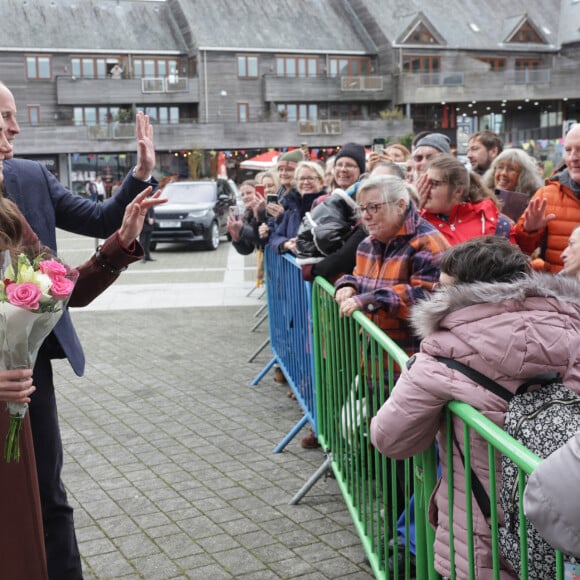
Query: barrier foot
[[260, 349], [259, 322], [322, 470], [252, 290], [291, 434], [260, 310], [263, 373]]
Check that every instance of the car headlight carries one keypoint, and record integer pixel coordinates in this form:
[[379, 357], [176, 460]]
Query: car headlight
[[198, 213]]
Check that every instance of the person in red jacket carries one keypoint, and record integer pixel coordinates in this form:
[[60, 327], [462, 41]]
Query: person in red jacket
[[457, 203], [554, 210]]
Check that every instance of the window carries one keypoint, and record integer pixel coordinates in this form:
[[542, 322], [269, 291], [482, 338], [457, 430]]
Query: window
[[495, 64], [247, 67], [348, 111], [38, 67], [298, 112], [89, 68], [243, 112], [296, 66], [526, 33], [420, 35], [154, 67], [350, 66], [33, 114], [161, 115], [528, 70], [95, 115], [429, 66]]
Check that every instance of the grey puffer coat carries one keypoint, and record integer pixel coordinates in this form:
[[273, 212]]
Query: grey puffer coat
[[507, 331]]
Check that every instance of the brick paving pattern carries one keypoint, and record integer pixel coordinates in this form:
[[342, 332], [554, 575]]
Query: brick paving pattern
[[169, 459]]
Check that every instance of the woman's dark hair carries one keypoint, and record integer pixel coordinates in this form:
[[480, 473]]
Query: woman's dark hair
[[486, 259], [10, 224]]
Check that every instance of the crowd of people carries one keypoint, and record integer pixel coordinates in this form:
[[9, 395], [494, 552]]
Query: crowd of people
[[447, 258], [426, 248]]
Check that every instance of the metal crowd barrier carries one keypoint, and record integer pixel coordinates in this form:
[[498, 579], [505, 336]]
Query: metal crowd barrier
[[289, 315], [356, 367], [499, 444], [341, 371]]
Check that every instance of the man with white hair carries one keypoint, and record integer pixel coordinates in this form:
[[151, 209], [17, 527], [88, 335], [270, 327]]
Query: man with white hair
[[554, 210], [46, 205]]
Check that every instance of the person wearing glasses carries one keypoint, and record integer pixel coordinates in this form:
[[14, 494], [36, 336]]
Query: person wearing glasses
[[309, 178], [397, 264], [458, 204], [349, 165]]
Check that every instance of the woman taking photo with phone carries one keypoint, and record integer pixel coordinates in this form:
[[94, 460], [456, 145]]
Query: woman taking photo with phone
[[310, 184], [243, 228]]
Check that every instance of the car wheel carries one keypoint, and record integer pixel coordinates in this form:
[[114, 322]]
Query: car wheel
[[152, 246], [213, 239]]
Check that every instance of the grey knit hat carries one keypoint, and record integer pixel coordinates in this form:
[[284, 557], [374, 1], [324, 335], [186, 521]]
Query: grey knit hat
[[437, 141]]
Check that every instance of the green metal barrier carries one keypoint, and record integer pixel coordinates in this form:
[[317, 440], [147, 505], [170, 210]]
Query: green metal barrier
[[499, 443], [356, 366]]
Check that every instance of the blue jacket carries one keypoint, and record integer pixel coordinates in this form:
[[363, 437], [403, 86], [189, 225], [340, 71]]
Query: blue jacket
[[296, 207], [47, 205]]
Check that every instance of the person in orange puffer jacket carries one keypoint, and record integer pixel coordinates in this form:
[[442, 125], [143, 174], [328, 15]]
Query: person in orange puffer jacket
[[554, 210]]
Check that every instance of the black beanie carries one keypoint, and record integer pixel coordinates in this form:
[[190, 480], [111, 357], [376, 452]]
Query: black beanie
[[353, 151]]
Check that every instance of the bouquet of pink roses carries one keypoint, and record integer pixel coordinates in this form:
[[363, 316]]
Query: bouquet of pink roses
[[33, 296]]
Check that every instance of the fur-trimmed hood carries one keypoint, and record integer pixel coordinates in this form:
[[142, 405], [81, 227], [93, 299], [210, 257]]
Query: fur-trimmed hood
[[427, 316]]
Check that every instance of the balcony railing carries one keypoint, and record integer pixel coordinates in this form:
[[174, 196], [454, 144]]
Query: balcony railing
[[361, 83], [170, 84], [530, 76], [445, 79], [457, 79], [111, 131], [322, 127]]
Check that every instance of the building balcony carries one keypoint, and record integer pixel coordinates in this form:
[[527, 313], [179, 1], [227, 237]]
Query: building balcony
[[56, 138], [151, 90], [511, 85], [327, 89]]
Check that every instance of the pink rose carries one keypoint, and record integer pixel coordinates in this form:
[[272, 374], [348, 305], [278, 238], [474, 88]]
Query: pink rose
[[52, 268], [25, 295], [61, 287]]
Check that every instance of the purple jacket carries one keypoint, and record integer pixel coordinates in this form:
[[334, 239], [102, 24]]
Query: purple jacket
[[507, 331]]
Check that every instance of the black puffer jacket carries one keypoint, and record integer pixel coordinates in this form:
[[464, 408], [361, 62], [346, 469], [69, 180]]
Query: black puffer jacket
[[325, 228]]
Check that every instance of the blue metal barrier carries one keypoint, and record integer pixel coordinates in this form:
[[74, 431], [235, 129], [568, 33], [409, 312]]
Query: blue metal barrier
[[289, 315]]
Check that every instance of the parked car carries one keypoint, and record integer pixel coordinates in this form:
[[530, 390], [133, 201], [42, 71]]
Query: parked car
[[238, 195], [196, 211]]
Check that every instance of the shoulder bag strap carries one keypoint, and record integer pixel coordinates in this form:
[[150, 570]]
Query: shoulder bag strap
[[542, 379], [479, 492], [477, 377], [481, 496]]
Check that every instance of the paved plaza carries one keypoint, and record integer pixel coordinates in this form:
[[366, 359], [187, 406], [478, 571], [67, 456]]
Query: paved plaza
[[169, 459]]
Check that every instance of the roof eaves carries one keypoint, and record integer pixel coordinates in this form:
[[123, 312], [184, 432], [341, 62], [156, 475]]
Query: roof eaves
[[281, 50]]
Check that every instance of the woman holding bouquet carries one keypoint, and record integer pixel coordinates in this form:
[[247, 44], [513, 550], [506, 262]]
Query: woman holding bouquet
[[22, 553]]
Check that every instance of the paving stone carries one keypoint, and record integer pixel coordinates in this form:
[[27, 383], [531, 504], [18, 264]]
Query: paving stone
[[169, 459]]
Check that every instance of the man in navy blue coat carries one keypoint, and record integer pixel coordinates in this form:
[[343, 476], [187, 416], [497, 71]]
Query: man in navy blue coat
[[47, 205]]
